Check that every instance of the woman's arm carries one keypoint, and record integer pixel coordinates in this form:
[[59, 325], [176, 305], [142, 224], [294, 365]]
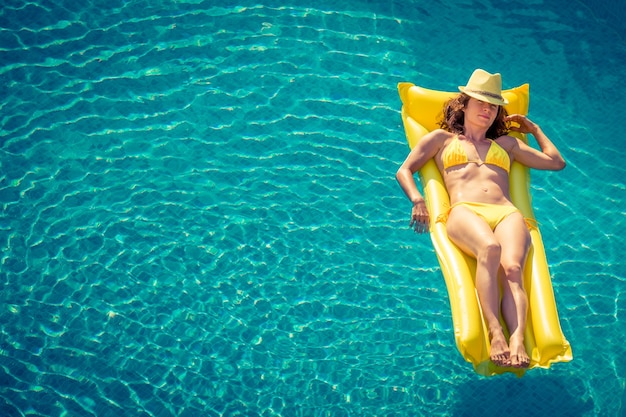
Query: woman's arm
[[549, 158], [425, 150]]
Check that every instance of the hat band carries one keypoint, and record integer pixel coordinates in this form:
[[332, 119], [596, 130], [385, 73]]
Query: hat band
[[485, 93]]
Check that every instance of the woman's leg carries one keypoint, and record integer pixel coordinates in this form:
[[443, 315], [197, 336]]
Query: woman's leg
[[514, 238], [474, 236]]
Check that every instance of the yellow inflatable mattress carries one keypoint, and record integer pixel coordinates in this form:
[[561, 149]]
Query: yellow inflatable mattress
[[545, 342]]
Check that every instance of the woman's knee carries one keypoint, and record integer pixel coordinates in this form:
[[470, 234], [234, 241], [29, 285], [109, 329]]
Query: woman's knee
[[489, 251], [512, 269]]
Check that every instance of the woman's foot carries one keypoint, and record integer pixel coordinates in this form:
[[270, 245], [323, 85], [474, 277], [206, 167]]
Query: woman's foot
[[519, 356], [500, 353]]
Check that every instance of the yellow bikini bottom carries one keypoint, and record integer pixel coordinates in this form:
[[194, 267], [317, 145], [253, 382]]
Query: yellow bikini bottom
[[493, 214]]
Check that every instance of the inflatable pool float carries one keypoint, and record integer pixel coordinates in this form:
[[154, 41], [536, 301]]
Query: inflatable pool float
[[544, 339]]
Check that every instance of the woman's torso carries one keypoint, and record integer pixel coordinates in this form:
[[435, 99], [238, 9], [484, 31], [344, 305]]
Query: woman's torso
[[483, 178]]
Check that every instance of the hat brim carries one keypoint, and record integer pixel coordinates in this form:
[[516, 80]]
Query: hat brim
[[493, 100]]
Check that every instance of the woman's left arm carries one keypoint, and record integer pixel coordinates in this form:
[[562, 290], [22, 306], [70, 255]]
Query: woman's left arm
[[549, 158]]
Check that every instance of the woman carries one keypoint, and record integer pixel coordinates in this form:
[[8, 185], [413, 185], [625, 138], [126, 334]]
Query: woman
[[474, 155]]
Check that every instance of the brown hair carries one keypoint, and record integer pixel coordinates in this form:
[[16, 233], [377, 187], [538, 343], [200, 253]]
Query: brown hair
[[454, 117]]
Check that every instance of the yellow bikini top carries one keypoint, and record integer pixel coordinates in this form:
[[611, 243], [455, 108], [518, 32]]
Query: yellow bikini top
[[455, 154]]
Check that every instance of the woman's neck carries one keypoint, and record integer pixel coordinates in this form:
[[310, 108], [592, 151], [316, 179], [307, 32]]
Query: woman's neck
[[473, 134]]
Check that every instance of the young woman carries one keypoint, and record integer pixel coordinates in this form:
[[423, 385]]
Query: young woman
[[474, 155]]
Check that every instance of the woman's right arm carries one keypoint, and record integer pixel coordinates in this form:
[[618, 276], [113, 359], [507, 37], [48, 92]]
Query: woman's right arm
[[425, 150]]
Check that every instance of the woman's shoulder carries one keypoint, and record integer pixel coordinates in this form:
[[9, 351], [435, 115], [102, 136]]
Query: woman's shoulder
[[507, 142], [507, 138], [441, 135]]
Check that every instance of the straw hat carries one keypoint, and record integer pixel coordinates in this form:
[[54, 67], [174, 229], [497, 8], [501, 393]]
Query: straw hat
[[486, 87]]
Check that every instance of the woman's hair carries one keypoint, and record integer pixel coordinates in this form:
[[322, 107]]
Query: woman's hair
[[454, 117]]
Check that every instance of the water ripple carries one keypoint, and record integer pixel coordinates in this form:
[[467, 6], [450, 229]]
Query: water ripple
[[199, 213]]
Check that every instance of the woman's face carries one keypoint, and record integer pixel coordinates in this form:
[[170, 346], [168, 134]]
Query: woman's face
[[480, 112]]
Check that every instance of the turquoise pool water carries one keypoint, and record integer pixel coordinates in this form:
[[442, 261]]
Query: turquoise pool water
[[200, 216]]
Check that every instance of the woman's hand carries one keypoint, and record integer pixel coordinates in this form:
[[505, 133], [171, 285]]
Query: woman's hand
[[524, 125], [419, 217]]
